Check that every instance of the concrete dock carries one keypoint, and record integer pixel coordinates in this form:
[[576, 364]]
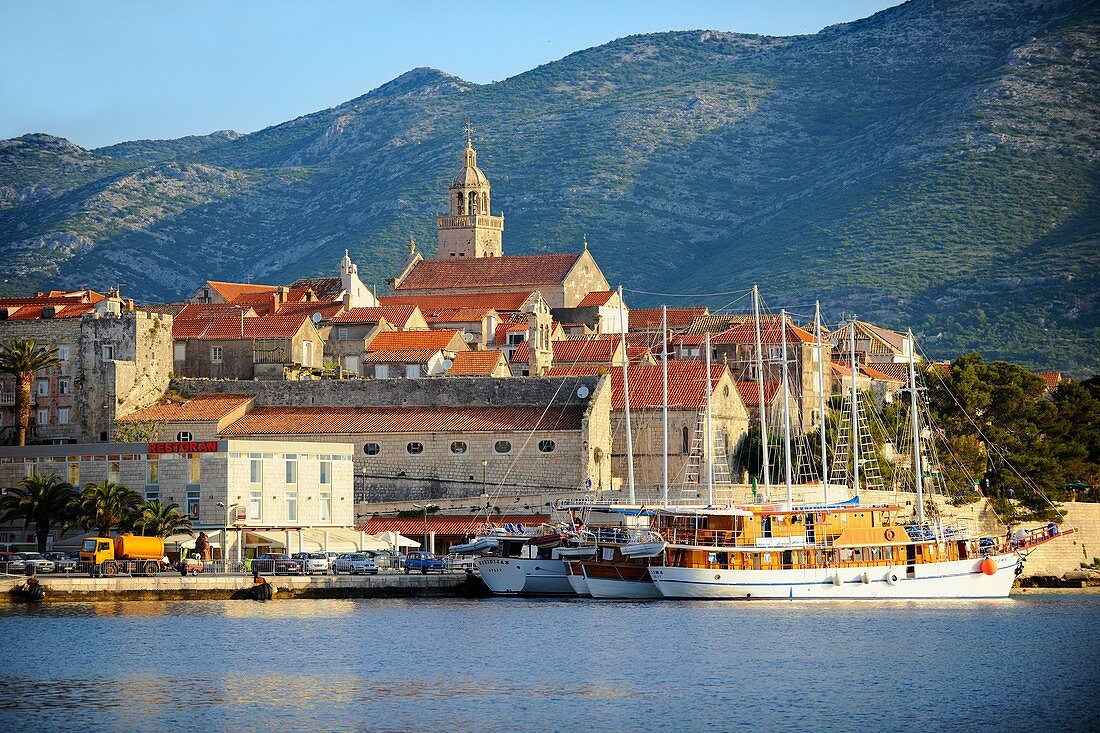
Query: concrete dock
[[170, 587]]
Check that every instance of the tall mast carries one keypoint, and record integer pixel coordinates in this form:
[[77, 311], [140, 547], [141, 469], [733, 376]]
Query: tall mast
[[855, 411], [626, 399], [766, 470], [786, 411], [664, 401], [710, 434], [918, 472], [821, 401]]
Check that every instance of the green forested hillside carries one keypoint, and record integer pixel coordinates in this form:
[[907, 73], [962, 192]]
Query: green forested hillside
[[934, 165]]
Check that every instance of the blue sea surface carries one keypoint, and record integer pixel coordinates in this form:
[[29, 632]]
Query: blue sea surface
[[507, 664]]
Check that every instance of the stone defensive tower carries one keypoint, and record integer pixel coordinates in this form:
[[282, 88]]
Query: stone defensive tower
[[470, 230]]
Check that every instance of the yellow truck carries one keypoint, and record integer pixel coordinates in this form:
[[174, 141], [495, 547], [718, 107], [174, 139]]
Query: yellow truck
[[126, 553]]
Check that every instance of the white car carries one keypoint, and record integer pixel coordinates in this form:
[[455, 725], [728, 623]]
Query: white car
[[356, 563], [312, 562], [36, 560]]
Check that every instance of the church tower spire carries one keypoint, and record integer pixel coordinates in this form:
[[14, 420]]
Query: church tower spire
[[470, 230]]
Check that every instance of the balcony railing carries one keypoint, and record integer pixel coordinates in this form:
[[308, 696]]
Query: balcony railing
[[7, 398], [483, 220]]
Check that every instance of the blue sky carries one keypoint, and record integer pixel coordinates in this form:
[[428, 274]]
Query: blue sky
[[103, 72]]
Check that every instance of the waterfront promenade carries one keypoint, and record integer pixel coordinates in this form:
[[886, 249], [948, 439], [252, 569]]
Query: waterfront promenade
[[172, 586]]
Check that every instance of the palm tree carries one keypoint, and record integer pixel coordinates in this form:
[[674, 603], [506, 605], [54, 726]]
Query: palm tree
[[107, 504], [24, 358], [161, 520], [44, 500]]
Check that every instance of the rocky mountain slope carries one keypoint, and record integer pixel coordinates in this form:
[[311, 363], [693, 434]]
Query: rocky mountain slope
[[934, 165]]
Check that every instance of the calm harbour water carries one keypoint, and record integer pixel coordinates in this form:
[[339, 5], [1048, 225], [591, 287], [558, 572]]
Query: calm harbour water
[[546, 665]]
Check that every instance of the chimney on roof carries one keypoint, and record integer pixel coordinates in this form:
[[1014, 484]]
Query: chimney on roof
[[6, 313], [50, 311]]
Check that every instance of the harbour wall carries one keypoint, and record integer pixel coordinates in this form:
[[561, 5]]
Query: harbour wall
[[222, 587]]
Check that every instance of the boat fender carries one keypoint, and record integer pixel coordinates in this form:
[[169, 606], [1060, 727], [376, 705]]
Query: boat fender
[[837, 580], [889, 535], [866, 578], [892, 578], [988, 566]]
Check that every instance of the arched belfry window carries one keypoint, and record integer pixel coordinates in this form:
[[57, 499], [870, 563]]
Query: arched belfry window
[[473, 203], [460, 204]]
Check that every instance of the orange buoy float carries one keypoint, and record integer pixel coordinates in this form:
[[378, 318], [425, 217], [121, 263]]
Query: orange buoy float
[[988, 566]]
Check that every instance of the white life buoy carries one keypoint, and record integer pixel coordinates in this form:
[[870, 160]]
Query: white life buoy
[[892, 578]]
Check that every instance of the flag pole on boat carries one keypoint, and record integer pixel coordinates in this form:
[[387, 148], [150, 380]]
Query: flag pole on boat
[[709, 443], [786, 411], [914, 420], [855, 410], [664, 401], [821, 402], [766, 468], [626, 398]]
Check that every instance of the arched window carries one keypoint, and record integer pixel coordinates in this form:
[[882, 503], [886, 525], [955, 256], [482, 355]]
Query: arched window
[[684, 440], [473, 203], [460, 204]]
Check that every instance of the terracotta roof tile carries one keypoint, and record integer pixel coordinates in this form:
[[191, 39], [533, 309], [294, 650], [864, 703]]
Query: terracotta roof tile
[[490, 272], [750, 392], [231, 291], [203, 408], [596, 298], [327, 309], [499, 302], [316, 420], [574, 351], [455, 315], [770, 333], [1051, 379], [477, 362], [229, 327], [401, 356], [395, 315], [325, 288], [405, 340]]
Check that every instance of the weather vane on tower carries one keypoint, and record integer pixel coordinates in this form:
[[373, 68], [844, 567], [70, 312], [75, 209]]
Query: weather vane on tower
[[469, 130]]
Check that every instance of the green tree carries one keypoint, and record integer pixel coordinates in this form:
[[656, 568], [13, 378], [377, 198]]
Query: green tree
[[154, 519], [44, 500], [106, 505], [23, 358], [138, 431]]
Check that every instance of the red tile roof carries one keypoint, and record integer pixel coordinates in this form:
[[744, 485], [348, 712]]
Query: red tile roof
[[650, 318], [1051, 379], [412, 527], [575, 351], [314, 420], [495, 301], [750, 392], [687, 381], [325, 288], [229, 327], [405, 340], [500, 335], [477, 362], [202, 408], [327, 309], [596, 298], [490, 272], [401, 356], [231, 291], [396, 315], [455, 315]]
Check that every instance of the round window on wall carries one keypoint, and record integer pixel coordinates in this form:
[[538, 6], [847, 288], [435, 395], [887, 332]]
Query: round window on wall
[[372, 449], [458, 447], [184, 436], [503, 446], [414, 448], [546, 446]]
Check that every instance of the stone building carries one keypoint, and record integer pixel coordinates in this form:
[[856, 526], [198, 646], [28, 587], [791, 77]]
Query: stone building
[[478, 412], [874, 344], [114, 360], [599, 312], [290, 494], [479, 363], [470, 230], [350, 333], [264, 347]]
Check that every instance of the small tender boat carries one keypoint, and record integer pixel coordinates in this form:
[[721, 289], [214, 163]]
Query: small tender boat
[[651, 548], [479, 546]]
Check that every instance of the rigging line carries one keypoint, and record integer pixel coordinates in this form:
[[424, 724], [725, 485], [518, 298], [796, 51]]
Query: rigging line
[[739, 293]]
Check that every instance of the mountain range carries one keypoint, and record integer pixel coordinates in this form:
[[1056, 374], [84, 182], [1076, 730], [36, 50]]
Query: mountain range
[[933, 166]]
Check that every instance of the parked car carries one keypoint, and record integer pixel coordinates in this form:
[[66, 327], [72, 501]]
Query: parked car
[[312, 562], [10, 562], [36, 560], [356, 563], [425, 562], [331, 559], [62, 563], [276, 562]]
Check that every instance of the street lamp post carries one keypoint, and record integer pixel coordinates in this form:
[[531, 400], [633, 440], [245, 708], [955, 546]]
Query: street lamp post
[[225, 534], [424, 506], [484, 468]]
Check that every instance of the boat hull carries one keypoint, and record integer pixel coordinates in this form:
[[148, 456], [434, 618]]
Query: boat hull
[[944, 580], [521, 576], [618, 581]]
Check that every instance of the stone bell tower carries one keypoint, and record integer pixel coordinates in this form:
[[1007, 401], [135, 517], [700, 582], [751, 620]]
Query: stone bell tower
[[470, 230]]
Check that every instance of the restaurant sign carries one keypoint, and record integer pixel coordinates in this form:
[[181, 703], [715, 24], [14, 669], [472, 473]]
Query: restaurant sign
[[185, 446]]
